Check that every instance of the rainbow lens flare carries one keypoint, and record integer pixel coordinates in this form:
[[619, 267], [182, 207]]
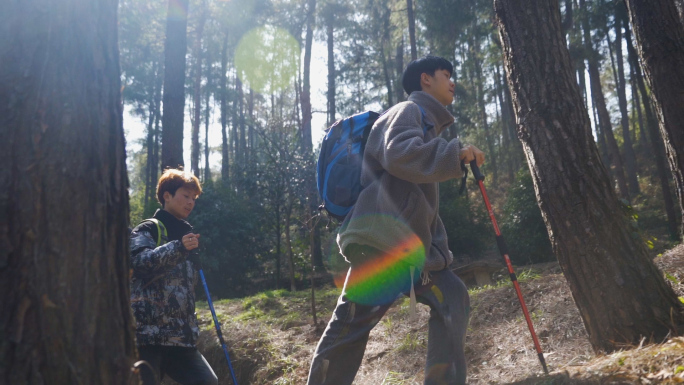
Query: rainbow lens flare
[[382, 278], [178, 10]]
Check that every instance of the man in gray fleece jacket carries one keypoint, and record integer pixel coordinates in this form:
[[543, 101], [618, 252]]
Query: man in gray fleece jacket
[[394, 236]]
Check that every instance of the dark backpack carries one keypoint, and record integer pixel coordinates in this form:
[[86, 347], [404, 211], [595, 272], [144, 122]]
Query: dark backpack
[[338, 170]]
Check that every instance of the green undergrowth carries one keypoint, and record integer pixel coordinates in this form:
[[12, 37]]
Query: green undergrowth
[[278, 308], [523, 276]]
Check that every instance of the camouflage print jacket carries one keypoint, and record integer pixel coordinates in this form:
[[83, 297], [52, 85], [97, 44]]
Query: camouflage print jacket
[[162, 285]]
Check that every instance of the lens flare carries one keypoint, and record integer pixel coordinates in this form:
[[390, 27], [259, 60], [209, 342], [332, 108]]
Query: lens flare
[[178, 9], [382, 278], [267, 58]]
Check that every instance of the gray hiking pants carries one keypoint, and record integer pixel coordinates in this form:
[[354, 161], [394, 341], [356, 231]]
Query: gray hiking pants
[[340, 350]]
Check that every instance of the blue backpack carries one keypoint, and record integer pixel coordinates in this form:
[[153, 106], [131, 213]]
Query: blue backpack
[[338, 170]]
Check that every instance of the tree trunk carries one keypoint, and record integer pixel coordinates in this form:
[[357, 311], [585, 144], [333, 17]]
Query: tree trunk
[[491, 157], [242, 145], [250, 151], [399, 66], [382, 14], [175, 47], [149, 142], [197, 97], [627, 147], [412, 29], [680, 9], [207, 112], [306, 144], [639, 122], [235, 135], [331, 69], [306, 85], [660, 39], [506, 122], [278, 236], [603, 123], [620, 294], [288, 246], [225, 162], [657, 145], [64, 299], [157, 133]]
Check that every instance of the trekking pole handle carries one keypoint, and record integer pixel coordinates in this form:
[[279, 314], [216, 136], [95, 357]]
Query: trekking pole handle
[[476, 170]]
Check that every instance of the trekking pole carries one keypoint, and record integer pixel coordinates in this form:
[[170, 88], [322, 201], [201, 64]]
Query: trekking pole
[[503, 249], [216, 323]]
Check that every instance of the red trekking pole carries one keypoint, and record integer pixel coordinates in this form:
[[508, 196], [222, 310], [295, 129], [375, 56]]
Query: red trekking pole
[[503, 249]]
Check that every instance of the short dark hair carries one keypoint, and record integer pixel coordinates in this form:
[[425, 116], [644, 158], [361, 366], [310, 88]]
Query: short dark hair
[[410, 80], [172, 179]]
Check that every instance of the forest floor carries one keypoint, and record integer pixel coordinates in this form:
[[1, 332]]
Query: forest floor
[[272, 338]]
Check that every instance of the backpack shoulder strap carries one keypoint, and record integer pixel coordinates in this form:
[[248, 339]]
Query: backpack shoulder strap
[[162, 235], [426, 126]]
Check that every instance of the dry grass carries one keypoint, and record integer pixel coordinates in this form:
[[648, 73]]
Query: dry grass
[[272, 338]]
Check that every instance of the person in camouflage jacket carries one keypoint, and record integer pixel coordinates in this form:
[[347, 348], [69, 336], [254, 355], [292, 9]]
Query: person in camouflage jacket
[[164, 274]]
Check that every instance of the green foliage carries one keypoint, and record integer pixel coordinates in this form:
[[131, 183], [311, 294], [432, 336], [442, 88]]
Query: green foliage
[[394, 378], [231, 240], [523, 226], [410, 342], [522, 276], [467, 225]]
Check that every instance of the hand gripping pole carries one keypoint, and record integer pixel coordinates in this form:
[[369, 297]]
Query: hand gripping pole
[[503, 249]]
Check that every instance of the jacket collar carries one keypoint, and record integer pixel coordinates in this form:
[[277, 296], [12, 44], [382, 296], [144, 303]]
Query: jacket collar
[[175, 227], [435, 112]]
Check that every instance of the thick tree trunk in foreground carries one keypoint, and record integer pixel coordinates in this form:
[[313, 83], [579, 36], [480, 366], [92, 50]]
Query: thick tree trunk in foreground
[[620, 293], [660, 40], [175, 47], [64, 299]]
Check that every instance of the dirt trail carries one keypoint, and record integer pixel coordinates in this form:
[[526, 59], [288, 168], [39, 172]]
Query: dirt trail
[[499, 348]]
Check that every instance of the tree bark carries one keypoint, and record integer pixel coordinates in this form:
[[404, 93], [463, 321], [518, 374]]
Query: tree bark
[[175, 47], [603, 116], [412, 29], [620, 294], [660, 40], [64, 299]]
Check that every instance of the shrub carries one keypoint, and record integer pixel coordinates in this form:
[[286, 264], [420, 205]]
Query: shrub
[[523, 226], [467, 224]]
